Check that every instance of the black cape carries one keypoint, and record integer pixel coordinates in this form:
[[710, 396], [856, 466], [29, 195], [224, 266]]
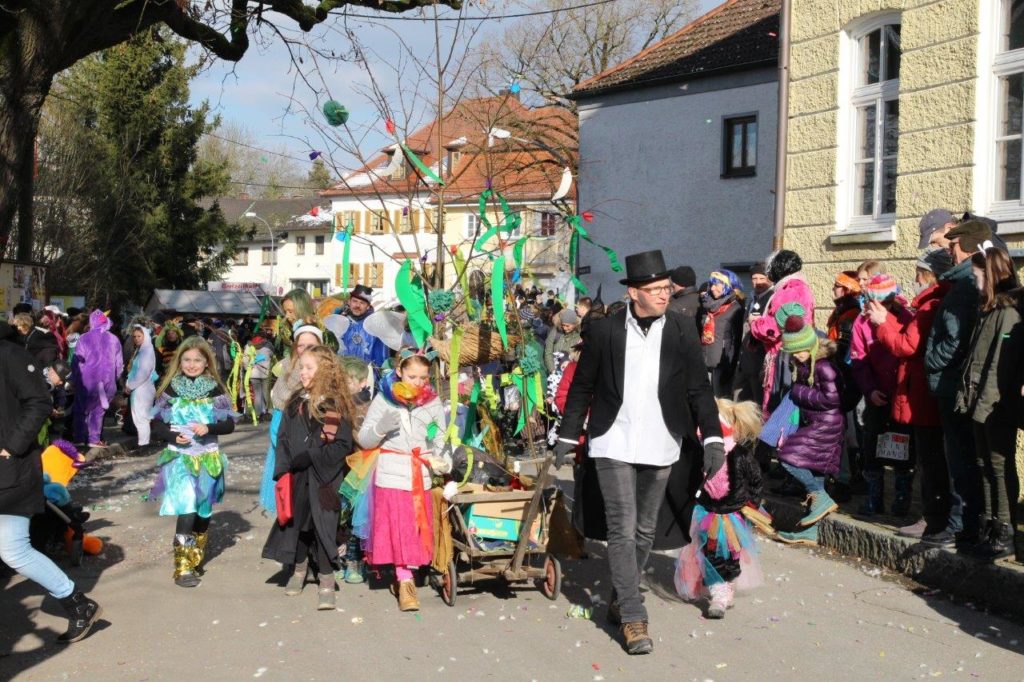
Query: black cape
[[313, 464]]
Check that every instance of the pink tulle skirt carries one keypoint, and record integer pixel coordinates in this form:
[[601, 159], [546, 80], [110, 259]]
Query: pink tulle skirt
[[393, 536], [728, 536]]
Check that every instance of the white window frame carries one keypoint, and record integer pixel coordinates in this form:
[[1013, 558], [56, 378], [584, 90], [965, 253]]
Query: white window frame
[[994, 64], [471, 226], [879, 227]]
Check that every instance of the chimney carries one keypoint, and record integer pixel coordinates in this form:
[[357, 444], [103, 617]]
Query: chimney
[[244, 196]]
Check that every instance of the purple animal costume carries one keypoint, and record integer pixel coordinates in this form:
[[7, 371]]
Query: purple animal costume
[[97, 364]]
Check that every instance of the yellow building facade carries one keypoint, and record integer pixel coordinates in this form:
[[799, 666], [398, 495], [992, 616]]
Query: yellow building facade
[[897, 107]]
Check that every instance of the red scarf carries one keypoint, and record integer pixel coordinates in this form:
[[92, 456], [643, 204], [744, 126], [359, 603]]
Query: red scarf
[[707, 332]]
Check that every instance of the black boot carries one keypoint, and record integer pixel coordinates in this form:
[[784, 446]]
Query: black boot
[[82, 615]]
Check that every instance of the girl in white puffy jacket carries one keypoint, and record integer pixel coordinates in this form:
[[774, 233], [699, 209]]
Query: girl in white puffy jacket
[[406, 420]]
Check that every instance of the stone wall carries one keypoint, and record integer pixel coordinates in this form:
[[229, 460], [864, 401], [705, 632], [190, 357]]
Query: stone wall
[[937, 112]]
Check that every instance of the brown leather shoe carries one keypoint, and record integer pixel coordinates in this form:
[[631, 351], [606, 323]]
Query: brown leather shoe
[[637, 639], [407, 599]]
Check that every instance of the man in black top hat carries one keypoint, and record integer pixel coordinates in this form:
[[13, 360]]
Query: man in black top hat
[[641, 421], [356, 341]]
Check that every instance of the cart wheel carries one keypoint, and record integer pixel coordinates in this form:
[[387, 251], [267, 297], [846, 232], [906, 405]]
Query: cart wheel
[[76, 552], [551, 584], [450, 584]]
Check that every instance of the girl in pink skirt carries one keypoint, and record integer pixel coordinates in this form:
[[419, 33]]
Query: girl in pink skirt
[[406, 420]]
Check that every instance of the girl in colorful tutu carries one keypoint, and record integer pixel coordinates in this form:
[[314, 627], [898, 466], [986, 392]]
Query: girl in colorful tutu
[[722, 554], [192, 409], [314, 440], [406, 420]]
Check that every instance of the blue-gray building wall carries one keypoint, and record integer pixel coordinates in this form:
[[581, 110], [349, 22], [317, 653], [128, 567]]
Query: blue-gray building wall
[[650, 172]]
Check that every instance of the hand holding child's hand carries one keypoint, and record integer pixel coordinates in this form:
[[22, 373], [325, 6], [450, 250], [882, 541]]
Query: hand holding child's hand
[[182, 439]]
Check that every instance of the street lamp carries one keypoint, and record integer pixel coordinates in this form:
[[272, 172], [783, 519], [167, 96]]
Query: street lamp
[[273, 248]]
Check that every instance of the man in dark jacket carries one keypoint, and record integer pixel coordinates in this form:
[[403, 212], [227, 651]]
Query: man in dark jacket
[[24, 407], [945, 354], [641, 421], [748, 383], [685, 297]]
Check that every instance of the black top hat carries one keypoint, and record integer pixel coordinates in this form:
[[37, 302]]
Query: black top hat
[[648, 266], [363, 293]]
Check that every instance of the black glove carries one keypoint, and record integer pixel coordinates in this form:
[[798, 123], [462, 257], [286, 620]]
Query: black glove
[[330, 500], [561, 449], [714, 458]]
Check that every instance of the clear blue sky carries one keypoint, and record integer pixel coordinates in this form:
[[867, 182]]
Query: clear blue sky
[[259, 90]]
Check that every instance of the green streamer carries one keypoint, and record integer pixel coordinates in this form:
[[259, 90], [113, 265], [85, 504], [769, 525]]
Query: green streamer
[[577, 225], [509, 221], [462, 269], [422, 167], [264, 309], [349, 228], [410, 293], [498, 298], [517, 251], [471, 414], [574, 247]]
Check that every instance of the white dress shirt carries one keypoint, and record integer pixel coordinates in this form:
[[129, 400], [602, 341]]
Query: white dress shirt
[[639, 434]]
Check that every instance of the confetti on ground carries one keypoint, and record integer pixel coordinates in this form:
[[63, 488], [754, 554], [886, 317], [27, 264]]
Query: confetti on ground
[[357, 620], [259, 672], [263, 625]]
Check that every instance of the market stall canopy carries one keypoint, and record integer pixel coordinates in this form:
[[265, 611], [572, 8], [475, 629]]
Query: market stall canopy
[[216, 303]]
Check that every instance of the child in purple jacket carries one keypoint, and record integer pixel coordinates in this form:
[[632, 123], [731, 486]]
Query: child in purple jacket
[[812, 451]]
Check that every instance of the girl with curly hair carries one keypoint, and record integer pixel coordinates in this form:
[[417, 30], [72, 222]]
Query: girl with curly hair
[[314, 439]]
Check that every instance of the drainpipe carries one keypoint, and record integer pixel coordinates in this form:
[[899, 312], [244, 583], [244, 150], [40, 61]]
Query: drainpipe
[[783, 129]]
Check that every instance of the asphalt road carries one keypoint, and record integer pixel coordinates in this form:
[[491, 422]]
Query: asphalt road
[[814, 617]]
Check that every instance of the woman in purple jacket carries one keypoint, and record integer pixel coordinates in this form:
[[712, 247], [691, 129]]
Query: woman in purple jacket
[[813, 451]]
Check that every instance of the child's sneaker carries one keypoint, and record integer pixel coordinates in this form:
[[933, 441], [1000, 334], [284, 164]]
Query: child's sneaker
[[721, 599], [807, 536], [354, 572], [819, 506]]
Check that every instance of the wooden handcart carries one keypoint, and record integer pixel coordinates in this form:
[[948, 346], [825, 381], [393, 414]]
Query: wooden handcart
[[516, 565]]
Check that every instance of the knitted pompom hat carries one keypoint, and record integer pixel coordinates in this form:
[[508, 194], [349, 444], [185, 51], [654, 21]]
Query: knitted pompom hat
[[881, 287], [797, 335]]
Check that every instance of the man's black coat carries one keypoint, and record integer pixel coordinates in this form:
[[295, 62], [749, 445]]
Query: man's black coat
[[686, 400]]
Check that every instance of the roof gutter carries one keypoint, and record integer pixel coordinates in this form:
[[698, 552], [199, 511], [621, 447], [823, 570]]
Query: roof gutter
[[666, 80], [782, 146]]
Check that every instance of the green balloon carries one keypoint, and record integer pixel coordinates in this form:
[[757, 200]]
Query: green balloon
[[335, 113]]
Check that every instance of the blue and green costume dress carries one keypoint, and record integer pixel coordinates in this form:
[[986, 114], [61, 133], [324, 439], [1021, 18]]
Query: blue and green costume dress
[[191, 477]]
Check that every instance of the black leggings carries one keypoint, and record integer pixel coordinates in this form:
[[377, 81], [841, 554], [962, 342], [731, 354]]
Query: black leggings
[[191, 523]]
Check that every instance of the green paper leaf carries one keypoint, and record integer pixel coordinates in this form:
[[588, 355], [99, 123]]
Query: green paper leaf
[[422, 167], [411, 296]]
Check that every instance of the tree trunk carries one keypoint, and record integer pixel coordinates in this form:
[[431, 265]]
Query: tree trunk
[[26, 75]]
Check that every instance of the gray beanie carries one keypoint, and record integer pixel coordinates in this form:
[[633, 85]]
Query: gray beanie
[[936, 261], [568, 316]]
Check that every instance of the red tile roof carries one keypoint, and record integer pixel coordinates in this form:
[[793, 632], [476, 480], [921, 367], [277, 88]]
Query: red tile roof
[[526, 165], [735, 34]]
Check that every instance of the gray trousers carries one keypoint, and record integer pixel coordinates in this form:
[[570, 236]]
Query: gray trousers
[[633, 494]]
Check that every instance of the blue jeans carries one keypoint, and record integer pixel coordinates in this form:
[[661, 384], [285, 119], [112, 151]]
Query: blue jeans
[[812, 482], [17, 552]]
